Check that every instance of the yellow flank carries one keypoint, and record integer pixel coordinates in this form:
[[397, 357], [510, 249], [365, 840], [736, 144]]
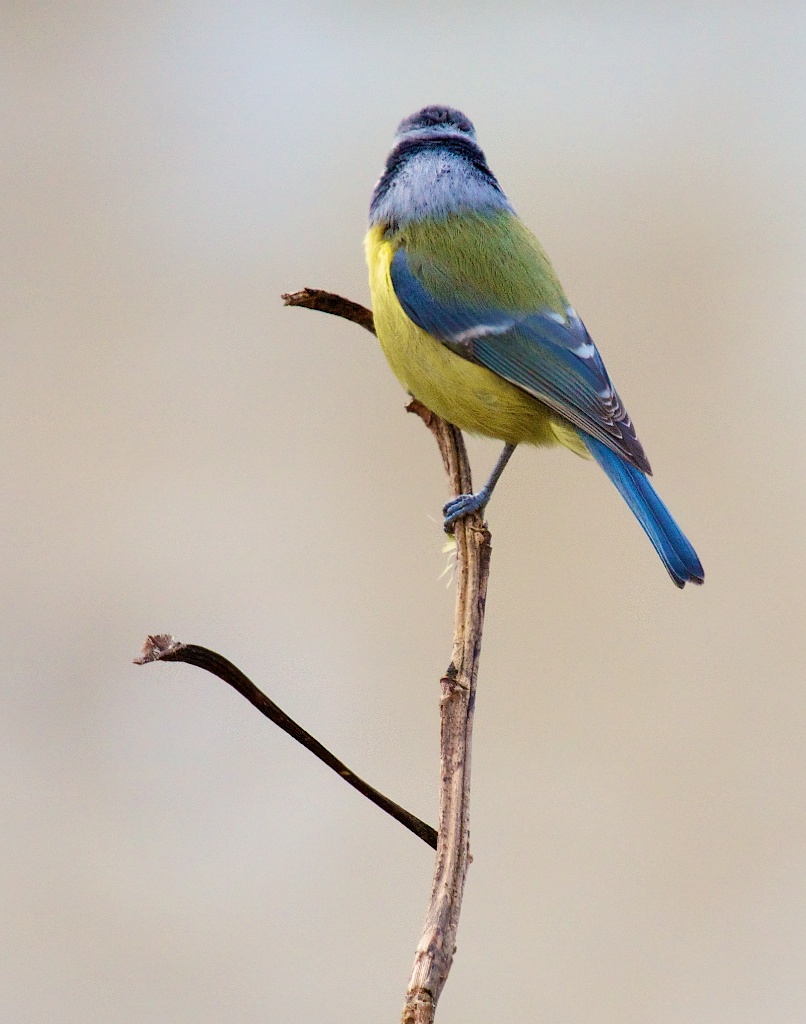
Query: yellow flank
[[471, 397]]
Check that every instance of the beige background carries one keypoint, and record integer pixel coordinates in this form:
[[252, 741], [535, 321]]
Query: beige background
[[181, 453]]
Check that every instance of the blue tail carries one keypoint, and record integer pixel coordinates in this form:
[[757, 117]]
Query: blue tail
[[669, 541]]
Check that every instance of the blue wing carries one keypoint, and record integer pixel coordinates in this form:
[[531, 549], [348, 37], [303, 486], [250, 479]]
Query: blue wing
[[548, 355]]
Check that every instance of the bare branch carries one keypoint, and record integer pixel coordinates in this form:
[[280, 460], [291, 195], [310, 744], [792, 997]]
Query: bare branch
[[437, 945], [167, 648]]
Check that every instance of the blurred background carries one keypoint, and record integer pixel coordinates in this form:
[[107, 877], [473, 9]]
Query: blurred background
[[181, 453]]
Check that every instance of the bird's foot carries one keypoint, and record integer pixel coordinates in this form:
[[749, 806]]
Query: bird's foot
[[463, 505]]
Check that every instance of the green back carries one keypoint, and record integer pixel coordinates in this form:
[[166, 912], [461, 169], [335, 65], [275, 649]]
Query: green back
[[483, 260]]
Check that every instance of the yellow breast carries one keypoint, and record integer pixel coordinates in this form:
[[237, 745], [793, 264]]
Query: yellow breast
[[471, 397]]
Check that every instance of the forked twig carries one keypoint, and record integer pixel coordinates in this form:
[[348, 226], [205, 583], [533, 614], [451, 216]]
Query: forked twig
[[437, 945]]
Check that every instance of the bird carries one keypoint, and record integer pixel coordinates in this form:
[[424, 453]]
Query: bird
[[476, 326]]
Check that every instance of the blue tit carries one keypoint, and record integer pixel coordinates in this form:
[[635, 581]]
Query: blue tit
[[476, 326]]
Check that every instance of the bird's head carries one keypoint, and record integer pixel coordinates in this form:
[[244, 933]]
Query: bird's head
[[435, 169]]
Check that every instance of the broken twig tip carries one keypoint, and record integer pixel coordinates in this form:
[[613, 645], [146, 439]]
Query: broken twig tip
[[157, 647]]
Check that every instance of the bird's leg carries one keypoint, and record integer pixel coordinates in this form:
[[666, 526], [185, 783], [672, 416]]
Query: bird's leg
[[464, 504]]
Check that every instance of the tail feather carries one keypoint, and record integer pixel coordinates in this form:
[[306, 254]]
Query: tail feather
[[669, 541]]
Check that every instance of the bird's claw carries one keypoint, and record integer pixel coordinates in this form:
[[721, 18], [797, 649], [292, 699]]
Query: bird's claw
[[461, 506]]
